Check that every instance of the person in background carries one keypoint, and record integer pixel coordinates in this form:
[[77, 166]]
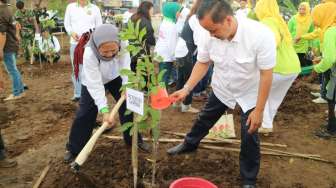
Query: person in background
[[182, 17], [27, 27], [324, 16], [49, 46], [298, 25], [127, 15], [6, 28], [166, 44], [186, 48], [287, 65], [144, 14], [104, 57], [8, 50], [80, 17], [243, 10]]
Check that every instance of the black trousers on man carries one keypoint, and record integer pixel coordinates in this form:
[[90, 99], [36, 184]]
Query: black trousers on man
[[84, 122], [250, 146]]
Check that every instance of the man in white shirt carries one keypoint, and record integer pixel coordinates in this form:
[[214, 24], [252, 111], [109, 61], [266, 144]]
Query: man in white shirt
[[244, 54], [243, 10], [80, 17]]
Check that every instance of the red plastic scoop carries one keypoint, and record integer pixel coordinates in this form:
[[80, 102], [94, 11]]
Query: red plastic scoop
[[160, 100]]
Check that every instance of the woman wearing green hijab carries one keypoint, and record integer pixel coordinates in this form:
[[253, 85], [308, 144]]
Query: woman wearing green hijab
[[166, 44]]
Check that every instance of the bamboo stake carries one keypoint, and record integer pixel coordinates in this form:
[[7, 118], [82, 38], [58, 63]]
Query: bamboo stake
[[228, 141], [42, 176], [267, 153], [155, 154], [165, 140], [291, 153], [135, 152]]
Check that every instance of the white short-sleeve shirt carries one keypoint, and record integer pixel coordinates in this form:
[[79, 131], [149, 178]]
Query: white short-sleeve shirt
[[79, 19], [237, 63]]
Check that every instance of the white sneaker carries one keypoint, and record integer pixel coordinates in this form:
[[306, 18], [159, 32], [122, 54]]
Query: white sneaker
[[189, 109], [11, 97], [320, 100], [315, 94]]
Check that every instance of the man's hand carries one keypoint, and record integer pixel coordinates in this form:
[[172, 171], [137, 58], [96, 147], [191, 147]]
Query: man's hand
[[179, 95], [106, 119], [254, 120], [75, 36]]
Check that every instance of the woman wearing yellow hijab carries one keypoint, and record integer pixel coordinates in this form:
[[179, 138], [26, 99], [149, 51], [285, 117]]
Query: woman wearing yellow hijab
[[324, 17], [287, 66], [298, 25]]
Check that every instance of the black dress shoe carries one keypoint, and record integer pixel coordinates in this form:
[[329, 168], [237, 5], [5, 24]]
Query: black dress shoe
[[69, 157], [143, 146], [180, 149], [249, 186]]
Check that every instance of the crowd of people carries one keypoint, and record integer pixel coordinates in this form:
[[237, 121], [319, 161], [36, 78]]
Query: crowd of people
[[248, 57]]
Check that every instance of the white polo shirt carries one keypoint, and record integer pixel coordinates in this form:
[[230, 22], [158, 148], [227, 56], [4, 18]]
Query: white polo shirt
[[237, 63], [80, 19]]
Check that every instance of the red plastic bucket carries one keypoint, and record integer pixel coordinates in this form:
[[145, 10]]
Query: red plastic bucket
[[192, 182]]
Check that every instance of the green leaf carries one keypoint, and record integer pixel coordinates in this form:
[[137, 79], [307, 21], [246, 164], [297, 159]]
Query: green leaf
[[130, 26], [127, 72], [156, 133], [161, 74], [137, 28], [125, 126], [153, 79], [142, 34], [143, 126], [128, 112]]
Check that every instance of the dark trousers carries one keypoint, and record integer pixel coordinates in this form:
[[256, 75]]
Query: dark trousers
[[324, 79], [185, 66], [250, 146], [303, 60], [85, 119]]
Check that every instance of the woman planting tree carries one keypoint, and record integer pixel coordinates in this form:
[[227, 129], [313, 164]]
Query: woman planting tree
[[102, 63]]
